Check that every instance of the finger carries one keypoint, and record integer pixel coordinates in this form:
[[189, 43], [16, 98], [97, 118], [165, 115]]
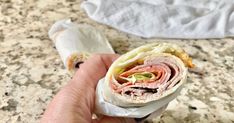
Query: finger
[[107, 59], [107, 119], [83, 84], [94, 69]]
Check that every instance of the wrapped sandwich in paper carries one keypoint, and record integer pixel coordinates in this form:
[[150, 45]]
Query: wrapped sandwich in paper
[[76, 42], [142, 81]]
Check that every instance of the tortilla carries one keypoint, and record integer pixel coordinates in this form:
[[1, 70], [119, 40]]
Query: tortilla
[[76, 42], [146, 74]]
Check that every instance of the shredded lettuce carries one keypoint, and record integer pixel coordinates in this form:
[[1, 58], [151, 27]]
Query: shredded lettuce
[[140, 76]]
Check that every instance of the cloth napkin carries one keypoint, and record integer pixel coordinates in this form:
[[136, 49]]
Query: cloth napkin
[[166, 18]]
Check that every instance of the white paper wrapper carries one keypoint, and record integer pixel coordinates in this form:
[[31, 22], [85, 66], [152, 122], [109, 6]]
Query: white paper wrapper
[[76, 42], [154, 108]]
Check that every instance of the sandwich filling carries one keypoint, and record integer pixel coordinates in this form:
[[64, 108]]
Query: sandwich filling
[[151, 77]]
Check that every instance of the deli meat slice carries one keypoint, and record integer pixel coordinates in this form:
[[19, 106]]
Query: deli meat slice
[[165, 71]]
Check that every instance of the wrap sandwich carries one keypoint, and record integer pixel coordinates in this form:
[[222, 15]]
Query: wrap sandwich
[[76, 42], [146, 74]]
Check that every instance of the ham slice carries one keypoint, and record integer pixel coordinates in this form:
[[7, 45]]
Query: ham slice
[[167, 74]]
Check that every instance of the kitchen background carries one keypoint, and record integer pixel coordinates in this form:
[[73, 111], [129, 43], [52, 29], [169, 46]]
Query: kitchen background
[[31, 71]]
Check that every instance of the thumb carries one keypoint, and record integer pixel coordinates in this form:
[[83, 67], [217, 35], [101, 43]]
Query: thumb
[[107, 119]]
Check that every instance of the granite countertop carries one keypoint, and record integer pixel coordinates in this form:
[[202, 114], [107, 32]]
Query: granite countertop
[[32, 72]]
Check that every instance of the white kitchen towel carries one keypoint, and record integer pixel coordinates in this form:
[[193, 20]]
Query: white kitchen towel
[[166, 18]]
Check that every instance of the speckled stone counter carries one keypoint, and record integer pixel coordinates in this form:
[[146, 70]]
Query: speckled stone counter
[[31, 71]]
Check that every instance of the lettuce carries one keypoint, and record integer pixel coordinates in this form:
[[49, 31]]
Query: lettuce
[[140, 76]]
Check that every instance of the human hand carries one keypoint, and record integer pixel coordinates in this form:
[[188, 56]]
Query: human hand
[[74, 103]]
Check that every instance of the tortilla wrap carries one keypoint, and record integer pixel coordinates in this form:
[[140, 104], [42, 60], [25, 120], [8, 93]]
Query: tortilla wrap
[[75, 42], [146, 74]]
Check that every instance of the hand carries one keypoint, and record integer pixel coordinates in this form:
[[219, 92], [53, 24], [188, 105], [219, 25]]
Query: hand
[[75, 102]]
